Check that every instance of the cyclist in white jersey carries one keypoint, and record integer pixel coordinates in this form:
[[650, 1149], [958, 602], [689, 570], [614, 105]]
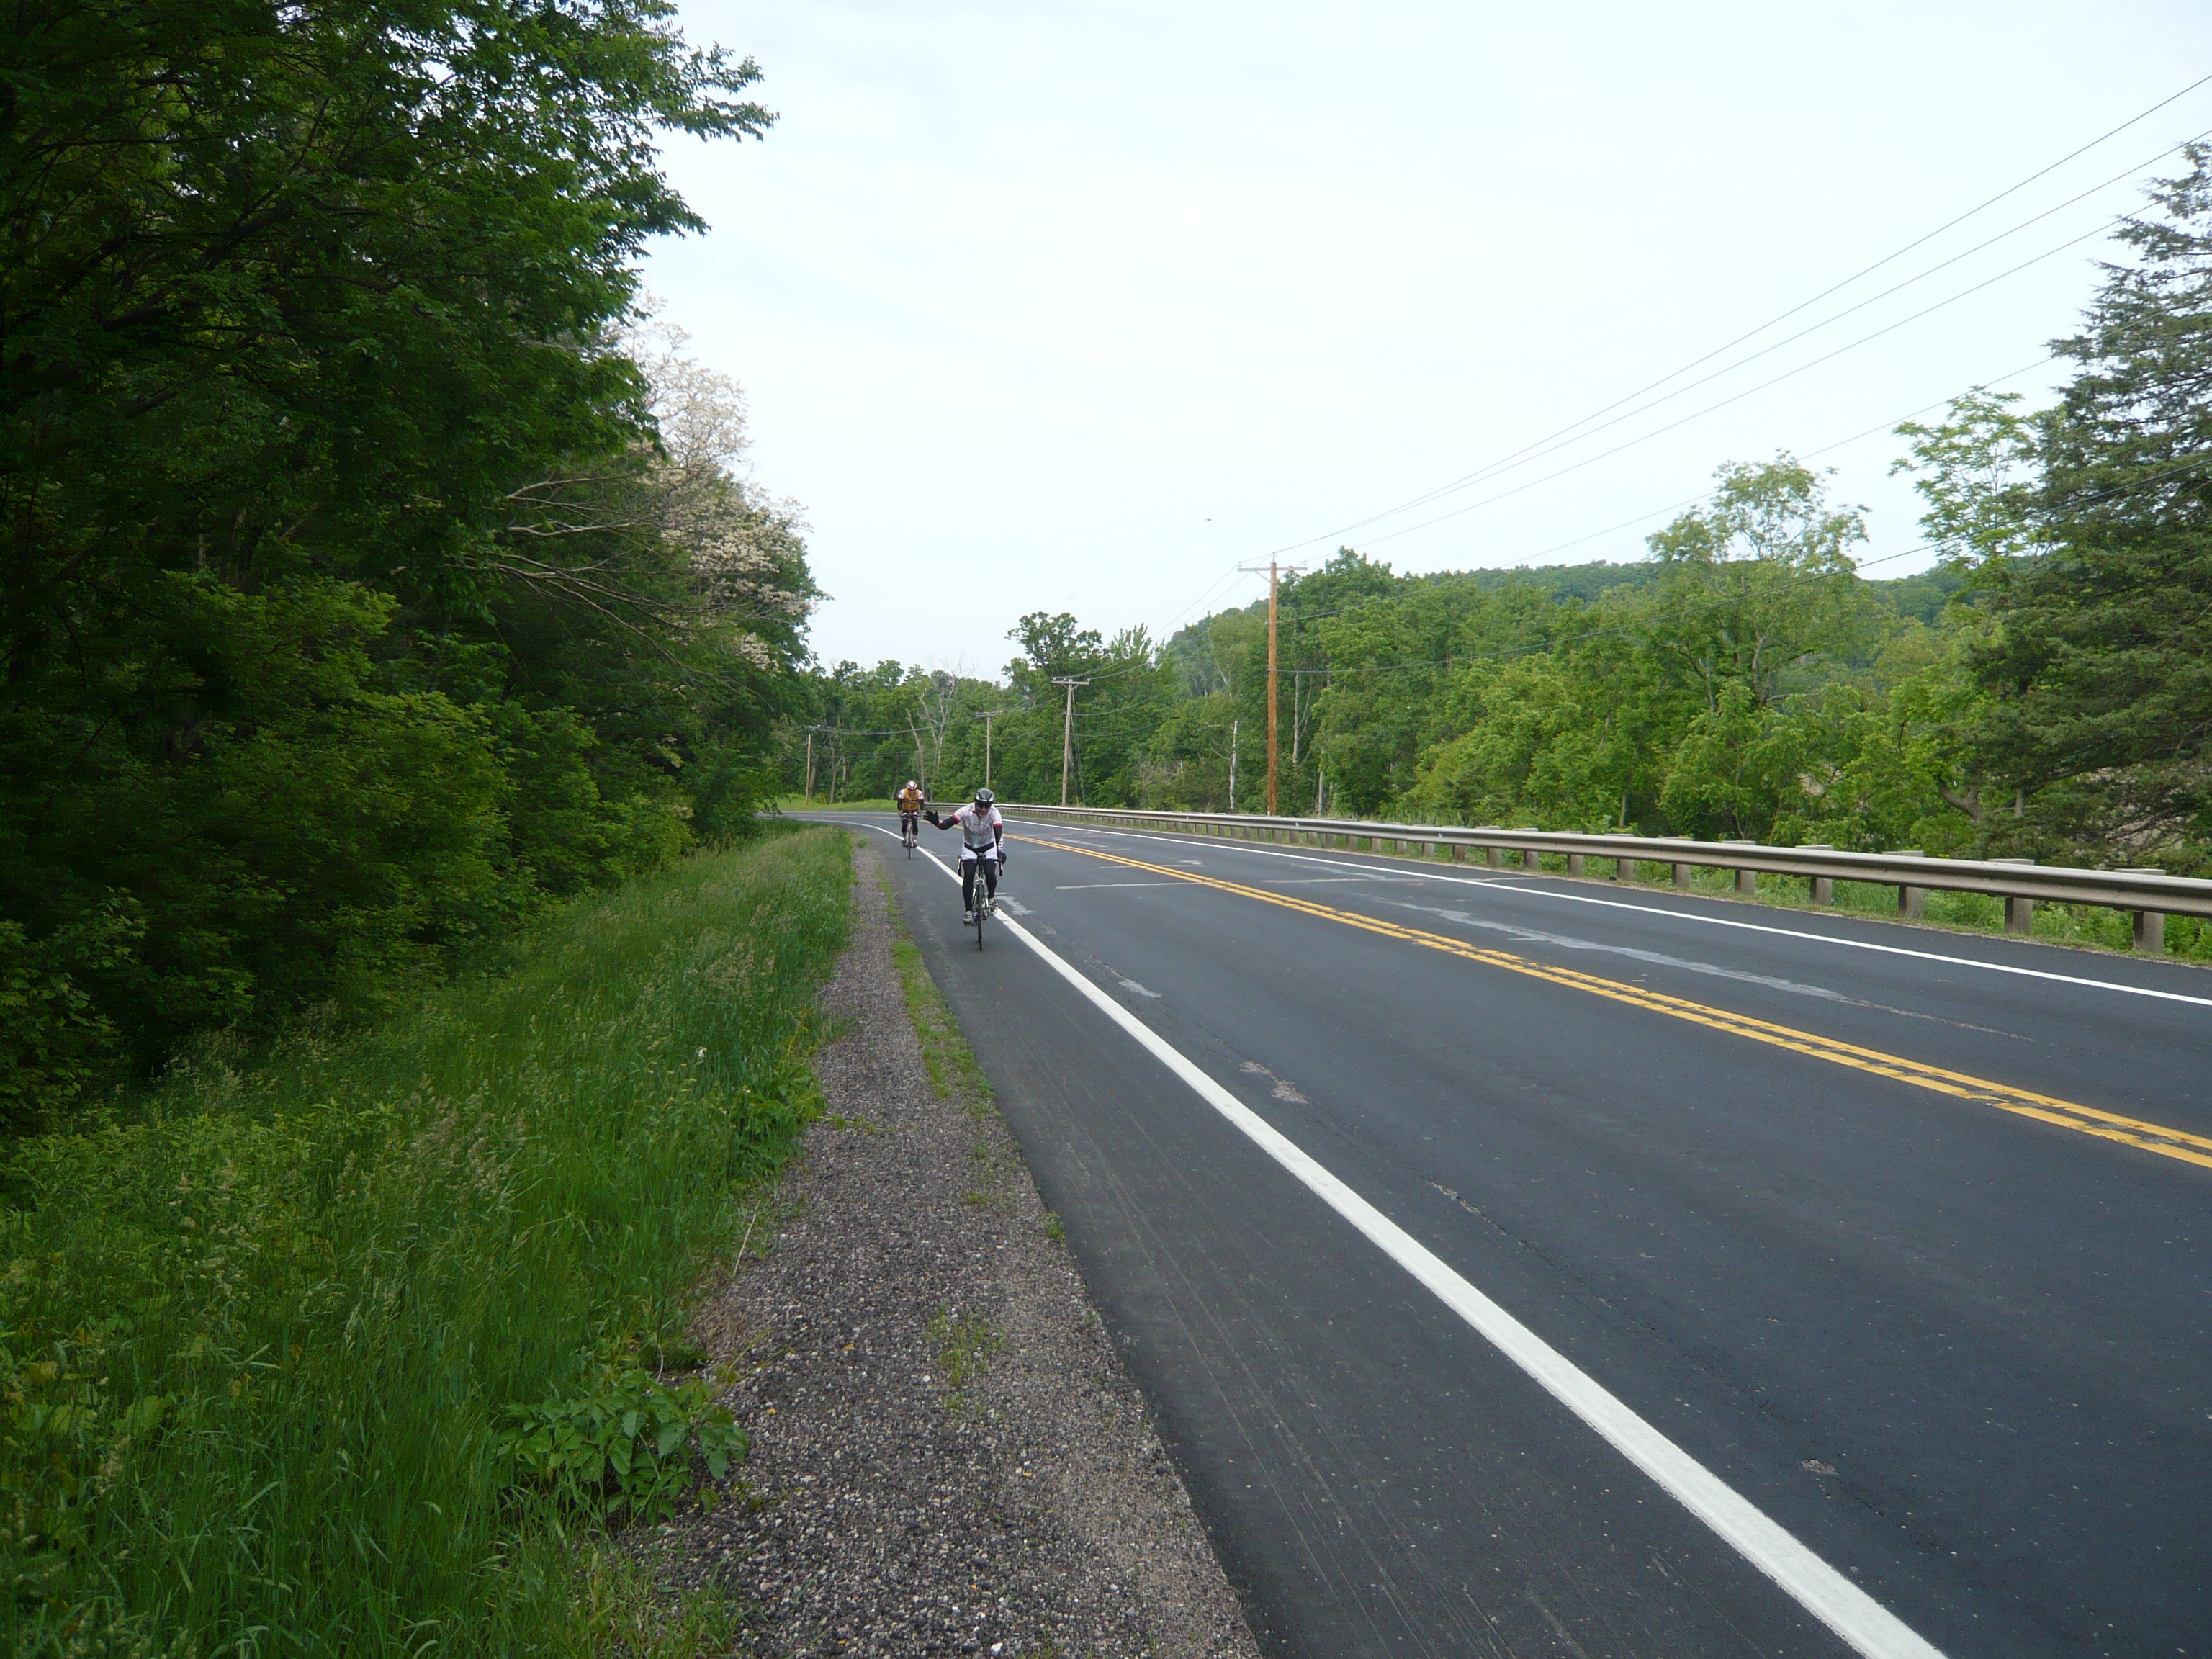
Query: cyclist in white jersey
[[982, 836]]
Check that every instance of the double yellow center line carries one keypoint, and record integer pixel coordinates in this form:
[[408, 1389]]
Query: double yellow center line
[[2066, 1114]]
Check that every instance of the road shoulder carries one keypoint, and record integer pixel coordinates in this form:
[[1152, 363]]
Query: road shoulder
[[947, 1454]]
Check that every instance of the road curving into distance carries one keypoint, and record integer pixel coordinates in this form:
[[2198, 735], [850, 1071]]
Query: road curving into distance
[[1527, 1266]]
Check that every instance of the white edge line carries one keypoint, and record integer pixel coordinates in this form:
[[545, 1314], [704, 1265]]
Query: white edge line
[[1648, 910], [1863, 1623]]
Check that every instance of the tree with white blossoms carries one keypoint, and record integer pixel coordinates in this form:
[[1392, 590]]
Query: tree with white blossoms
[[742, 547]]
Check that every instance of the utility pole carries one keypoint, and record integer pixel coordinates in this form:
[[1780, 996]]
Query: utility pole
[[1233, 725], [1067, 733], [1275, 573], [810, 768], [989, 715]]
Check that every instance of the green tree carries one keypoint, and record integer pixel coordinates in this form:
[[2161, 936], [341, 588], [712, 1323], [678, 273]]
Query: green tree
[[350, 598], [2099, 666], [1979, 473], [1756, 584], [1535, 750]]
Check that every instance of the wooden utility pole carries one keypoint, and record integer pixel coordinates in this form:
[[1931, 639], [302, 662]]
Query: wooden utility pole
[[1274, 573], [989, 715], [1067, 734], [810, 769]]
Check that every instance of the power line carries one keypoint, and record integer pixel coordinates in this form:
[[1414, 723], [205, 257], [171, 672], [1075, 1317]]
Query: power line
[[1825, 449], [1735, 398], [1718, 374], [1703, 496], [1835, 288]]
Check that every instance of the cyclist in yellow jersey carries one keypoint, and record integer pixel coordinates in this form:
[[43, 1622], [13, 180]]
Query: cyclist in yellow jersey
[[910, 803]]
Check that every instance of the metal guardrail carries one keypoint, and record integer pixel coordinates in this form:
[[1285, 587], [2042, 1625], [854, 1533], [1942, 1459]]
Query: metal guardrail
[[2151, 895]]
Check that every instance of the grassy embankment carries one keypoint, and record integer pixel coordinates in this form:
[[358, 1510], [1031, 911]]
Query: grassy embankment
[[260, 1335], [2090, 925], [800, 804], [1976, 913]]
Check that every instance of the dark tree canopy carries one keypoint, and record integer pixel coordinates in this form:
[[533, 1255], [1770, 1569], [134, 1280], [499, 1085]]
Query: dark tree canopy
[[348, 602], [2101, 668]]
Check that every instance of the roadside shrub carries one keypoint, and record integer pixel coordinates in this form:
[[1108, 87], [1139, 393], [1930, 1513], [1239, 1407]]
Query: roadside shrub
[[262, 1339], [624, 1445]]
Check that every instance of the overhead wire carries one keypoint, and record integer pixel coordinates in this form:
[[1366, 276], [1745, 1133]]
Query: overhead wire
[[2117, 219], [1703, 496], [1688, 501], [1552, 644], [1733, 398], [1575, 426], [1562, 438], [1810, 454]]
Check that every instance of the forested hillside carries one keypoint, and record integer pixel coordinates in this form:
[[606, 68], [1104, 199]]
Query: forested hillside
[[2044, 692], [369, 578]]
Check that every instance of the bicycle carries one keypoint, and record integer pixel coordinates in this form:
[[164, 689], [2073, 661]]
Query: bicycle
[[907, 832], [986, 901]]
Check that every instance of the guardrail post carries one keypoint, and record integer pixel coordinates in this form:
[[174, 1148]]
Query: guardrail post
[[1496, 857], [1574, 864], [1911, 901], [1824, 887], [2150, 925], [1747, 881], [2019, 913], [1459, 853], [1681, 875], [1531, 860]]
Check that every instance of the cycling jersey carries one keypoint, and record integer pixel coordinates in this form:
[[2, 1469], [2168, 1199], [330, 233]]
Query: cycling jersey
[[910, 800], [980, 832]]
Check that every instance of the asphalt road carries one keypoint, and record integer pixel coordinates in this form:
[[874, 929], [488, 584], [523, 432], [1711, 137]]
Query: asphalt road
[[1910, 1251]]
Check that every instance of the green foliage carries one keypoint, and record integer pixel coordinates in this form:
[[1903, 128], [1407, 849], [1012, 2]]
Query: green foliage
[[623, 1445], [1756, 585], [2046, 691], [1536, 750], [1733, 768], [874, 728], [261, 1339], [964, 1345], [367, 582], [621, 1613], [55, 1040], [1977, 472], [2098, 669]]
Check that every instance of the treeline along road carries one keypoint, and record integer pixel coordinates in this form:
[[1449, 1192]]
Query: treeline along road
[[1861, 1295]]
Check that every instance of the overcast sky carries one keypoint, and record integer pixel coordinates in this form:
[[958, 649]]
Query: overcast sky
[[1078, 306]]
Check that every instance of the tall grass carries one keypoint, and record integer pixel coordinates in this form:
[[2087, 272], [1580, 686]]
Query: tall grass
[[260, 1334], [2185, 937]]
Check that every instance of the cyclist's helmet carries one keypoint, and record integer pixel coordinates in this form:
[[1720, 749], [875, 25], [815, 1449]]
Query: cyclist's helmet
[[911, 784], [984, 798]]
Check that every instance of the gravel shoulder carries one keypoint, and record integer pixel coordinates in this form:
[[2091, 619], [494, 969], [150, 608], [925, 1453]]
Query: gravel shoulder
[[947, 1457]]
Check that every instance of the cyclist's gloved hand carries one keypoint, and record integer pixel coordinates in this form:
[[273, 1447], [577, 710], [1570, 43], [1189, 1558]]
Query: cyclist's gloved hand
[[1002, 864]]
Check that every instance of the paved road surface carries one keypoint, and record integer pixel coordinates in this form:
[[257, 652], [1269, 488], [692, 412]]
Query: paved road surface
[[1910, 1252]]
